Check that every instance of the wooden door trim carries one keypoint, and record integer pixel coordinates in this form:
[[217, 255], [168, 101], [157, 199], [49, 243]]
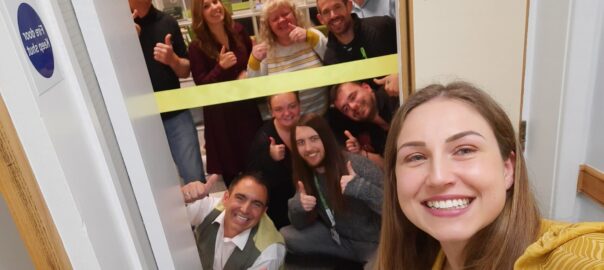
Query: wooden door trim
[[23, 197], [591, 183], [405, 16]]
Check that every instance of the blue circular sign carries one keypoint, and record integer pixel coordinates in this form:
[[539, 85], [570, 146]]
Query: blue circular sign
[[35, 40]]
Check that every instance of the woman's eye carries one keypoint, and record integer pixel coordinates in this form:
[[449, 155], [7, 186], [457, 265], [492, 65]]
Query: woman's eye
[[465, 151], [415, 158]]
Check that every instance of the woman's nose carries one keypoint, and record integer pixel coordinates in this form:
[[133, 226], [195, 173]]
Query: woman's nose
[[440, 172]]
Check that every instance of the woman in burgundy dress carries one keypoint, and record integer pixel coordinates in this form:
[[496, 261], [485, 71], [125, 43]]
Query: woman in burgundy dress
[[219, 53]]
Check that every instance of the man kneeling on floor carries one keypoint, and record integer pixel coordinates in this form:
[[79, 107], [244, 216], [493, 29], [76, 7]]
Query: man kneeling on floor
[[234, 232]]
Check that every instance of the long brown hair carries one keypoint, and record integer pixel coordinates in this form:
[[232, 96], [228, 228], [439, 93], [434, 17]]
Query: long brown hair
[[204, 38], [497, 246], [333, 161]]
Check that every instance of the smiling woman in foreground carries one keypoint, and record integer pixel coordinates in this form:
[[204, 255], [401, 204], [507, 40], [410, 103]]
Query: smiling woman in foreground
[[457, 194]]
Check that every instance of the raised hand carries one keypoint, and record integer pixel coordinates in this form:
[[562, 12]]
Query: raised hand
[[345, 179], [296, 33], [277, 151], [226, 59], [260, 50], [134, 16], [164, 52], [197, 190], [352, 144], [390, 84], [308, 201]]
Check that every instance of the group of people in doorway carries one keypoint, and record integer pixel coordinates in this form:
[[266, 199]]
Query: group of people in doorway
[[342, 171]]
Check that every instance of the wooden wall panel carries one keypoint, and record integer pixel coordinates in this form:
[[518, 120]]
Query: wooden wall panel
[[591, 183], [20, 190]]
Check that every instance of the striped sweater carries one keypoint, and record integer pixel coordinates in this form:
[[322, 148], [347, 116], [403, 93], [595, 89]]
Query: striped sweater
[[297, 56]]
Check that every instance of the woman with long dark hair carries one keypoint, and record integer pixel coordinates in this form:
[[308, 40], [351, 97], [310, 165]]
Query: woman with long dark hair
[[219, 53], [337, 207]]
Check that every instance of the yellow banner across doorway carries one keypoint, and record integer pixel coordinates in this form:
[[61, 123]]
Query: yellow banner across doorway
[[209, 94]]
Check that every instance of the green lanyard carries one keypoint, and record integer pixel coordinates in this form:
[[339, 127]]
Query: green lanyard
[[363, 53], [334, 234]]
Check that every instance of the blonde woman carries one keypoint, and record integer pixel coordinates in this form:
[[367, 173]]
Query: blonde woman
[[285, 44], [456, 193]]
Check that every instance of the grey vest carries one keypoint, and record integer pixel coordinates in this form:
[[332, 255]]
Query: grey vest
[[205, 235]]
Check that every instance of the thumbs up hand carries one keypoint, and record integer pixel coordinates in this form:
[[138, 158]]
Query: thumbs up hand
[[260, 50], [164, 53], [277, 151], [390, 84], [296, 33], [226, 59], [352, 144], [308, 201], [345, 179], [197, 190]]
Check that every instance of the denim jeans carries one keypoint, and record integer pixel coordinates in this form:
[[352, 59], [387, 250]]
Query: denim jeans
[[184, 146]]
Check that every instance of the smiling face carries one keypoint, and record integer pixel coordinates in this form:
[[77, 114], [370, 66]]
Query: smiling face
[[244, 206], [310, 146], [285, 109], [451, 179], [356, 101], [213, 12], [335, 14], [279, 20]]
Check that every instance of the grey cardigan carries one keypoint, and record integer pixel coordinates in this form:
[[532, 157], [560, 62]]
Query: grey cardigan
[[361, 218]]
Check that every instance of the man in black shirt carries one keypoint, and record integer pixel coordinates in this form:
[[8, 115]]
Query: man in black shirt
[[352, 38], [165, 55], [364, 112]]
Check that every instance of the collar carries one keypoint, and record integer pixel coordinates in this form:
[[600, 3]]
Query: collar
[[354, 4], [239, 240], [439, 263], [149, 18]]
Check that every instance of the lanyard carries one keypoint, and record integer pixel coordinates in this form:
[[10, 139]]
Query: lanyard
[[334, 234], [363, 53], [332, 221]]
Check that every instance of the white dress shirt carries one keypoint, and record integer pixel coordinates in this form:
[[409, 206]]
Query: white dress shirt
[[271, 258]]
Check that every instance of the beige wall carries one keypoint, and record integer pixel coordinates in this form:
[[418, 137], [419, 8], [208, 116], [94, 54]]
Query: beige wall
[[480, 41]]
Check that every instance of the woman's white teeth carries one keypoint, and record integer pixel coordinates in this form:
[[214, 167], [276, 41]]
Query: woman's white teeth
[[449, 204]]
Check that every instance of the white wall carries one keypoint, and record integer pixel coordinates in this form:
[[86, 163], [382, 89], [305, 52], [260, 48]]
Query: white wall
[[586, 208], [70, 152], [564, 46], [480, 41]]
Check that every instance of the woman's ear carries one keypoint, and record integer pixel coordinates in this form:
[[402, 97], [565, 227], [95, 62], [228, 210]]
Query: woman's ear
[[509, 167]]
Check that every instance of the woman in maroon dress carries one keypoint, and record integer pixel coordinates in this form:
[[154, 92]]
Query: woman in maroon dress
[[219, 53]]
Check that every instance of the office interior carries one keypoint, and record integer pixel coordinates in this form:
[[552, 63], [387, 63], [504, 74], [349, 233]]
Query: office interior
[[97, 153]]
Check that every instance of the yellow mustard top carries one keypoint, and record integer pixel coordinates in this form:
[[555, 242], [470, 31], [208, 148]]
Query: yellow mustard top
[[560, 246]]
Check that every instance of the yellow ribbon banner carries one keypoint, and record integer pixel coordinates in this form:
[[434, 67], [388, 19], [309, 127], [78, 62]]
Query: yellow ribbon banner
[[209, 94]]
